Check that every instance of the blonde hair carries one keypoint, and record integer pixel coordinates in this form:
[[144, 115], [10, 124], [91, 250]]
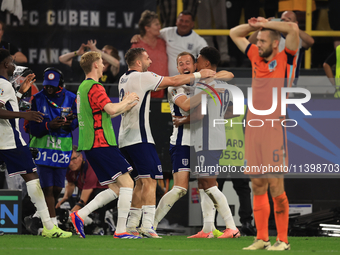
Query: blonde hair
[[88, 59]]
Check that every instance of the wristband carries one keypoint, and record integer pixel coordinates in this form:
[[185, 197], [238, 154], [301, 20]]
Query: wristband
[[197, 75], [75, 53], [18, 94]]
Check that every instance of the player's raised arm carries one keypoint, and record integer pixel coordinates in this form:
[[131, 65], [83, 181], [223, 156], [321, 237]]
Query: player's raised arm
[[182, 79], [238, 35], [289, 28], [224, 75]]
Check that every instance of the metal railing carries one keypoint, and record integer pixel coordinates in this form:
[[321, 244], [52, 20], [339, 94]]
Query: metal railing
[[315, 33]]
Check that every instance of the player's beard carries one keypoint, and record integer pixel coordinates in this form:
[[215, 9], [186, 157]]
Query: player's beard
[[145, 67], [266, 53]]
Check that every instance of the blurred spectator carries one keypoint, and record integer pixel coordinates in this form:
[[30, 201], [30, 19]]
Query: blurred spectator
[[80, 174], [18, 56], [331, 61], [234, 10], [299, 7], [214, 10], [179, 39], [110, 60], [149, 28], [168, 10]]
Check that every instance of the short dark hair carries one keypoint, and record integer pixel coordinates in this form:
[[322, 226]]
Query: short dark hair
[[4, 54], [75, 149], [186, 12], [114, 51], [211, 54], [274, 34], [145, 20], [132, 54], [184, 53]]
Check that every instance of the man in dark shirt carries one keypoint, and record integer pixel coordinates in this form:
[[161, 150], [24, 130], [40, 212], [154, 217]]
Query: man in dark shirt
[[110, 60]]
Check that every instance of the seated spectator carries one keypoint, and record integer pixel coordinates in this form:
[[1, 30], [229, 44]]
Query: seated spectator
[[80, 174], [149, 28], [110, 60], [18, 56]]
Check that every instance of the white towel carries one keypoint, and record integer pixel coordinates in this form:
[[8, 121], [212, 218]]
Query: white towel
[[13, 6]]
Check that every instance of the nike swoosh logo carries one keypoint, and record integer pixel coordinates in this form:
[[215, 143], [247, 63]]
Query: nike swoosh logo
[[234, 235]]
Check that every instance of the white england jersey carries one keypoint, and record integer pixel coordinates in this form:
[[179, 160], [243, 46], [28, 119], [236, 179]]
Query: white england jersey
[[205, 134], [176, 44], [180, 135], [298, 59], [135, 126], [10, 136]]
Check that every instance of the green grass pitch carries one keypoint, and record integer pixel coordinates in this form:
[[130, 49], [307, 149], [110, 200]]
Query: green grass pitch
[[36, 245]]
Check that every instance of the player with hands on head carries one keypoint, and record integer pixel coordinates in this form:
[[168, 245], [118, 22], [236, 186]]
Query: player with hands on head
[[305, 40], [270, 69]]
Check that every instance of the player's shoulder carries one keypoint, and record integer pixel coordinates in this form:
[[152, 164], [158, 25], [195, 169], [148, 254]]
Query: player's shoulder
[[167, 30], [5, 82], [150, 74]]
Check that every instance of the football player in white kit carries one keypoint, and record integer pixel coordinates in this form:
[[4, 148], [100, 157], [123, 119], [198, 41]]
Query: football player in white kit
[[180, 104], [209, 141], [135, 138]]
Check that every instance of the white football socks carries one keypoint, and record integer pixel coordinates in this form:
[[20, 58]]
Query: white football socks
[[148, 215], [221, 204], [166, 203], [208, 211], [135, 215], [54, 220], [98, 201], [124, 203], [38, 199]]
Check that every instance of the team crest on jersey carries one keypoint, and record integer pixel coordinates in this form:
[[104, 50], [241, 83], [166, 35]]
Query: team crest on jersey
[[185, 161], [190, 46], [154, 74], [1, 92], [160, 168], [174, 92], [272, 65]]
